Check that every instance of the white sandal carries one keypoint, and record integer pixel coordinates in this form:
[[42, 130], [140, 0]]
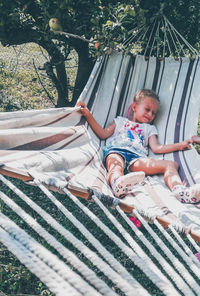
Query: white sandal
[[124, 184], [187, 194]]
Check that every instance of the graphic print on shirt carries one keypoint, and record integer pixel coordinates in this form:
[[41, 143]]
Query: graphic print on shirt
[[128, 135], [134, 132]]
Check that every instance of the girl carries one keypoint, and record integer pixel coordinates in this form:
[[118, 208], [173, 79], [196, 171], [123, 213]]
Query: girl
[[127, 148]]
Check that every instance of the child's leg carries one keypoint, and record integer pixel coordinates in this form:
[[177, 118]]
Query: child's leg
[[171, 177], [121, 184], [115, 167], [155, 166]]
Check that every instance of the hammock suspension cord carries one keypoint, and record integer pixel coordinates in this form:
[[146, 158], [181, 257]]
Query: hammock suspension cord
[[159, 39]]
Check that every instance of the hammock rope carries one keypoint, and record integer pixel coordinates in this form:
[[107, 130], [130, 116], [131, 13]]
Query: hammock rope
[[46, 274], [67, 254], [123, 284], [180, 283], [193, 243], [45, 256], [171, 32], [124, 233], [160, 39], [156, 280], [177, 34], [185, 282], [133, 244], [150, 42], [117, 224], [108, 257], [178, 266], [191, 256]]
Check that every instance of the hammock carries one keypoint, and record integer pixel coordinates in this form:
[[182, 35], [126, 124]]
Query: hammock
[[56, 148], [55, 151]]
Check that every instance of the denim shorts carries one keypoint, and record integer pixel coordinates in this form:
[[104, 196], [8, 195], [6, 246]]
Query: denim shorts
[[129, 157]]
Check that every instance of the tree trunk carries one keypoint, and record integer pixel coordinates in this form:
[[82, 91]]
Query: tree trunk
[[85, 65], [56, 71], [63, 88]]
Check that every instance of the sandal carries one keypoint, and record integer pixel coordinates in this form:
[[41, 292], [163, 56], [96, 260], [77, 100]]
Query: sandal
[[124, 184]]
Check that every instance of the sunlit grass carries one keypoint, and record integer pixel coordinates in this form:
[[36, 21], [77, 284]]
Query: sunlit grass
[[23, 85]]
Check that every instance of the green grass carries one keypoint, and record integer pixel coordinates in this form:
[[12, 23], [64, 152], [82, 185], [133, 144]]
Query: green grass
[[22, 82]]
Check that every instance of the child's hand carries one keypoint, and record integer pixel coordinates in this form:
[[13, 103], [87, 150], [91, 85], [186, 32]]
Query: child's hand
[[84, 110], [195, 139], [185, 145]]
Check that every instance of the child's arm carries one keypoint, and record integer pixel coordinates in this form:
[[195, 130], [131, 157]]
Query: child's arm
[[102, 133], [167, 148]]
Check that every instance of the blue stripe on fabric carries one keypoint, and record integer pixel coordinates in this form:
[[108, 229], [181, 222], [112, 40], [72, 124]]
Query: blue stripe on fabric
[[179, 118], [192, 84]]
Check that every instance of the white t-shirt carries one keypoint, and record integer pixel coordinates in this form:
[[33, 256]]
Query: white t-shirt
[[132, 136]]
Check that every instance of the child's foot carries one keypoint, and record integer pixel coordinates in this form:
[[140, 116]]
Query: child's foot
[[187, 194], [124, 184]]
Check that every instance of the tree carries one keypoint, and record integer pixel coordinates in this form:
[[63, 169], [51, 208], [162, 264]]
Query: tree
[[95, 27], [183, 14], [28, 21]]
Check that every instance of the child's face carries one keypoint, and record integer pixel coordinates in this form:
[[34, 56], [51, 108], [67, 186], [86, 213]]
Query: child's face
[[145, 111]]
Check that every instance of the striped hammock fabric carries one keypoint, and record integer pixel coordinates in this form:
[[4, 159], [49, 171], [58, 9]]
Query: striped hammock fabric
[[56, 147], [176, 82]]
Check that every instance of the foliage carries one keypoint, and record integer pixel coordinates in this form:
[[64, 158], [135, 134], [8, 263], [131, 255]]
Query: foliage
[[113, 30], [28, 21], [183, 14], [96, 27]]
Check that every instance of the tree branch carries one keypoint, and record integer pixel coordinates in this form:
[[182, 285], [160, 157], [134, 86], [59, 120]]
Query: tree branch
[[73, 36], [49, 96]]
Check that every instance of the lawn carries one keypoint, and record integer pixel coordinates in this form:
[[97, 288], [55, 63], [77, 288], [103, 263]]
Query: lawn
[[23, 83]]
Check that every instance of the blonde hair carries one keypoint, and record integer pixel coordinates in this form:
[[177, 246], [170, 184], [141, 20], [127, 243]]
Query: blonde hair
[[145, 92]]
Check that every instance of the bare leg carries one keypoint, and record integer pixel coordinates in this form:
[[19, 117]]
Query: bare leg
[[121, 184], [115, 167], [155, 166], [171, 177]]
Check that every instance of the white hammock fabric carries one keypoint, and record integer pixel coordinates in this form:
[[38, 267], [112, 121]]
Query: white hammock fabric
[[56, 147], [176, 82]]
